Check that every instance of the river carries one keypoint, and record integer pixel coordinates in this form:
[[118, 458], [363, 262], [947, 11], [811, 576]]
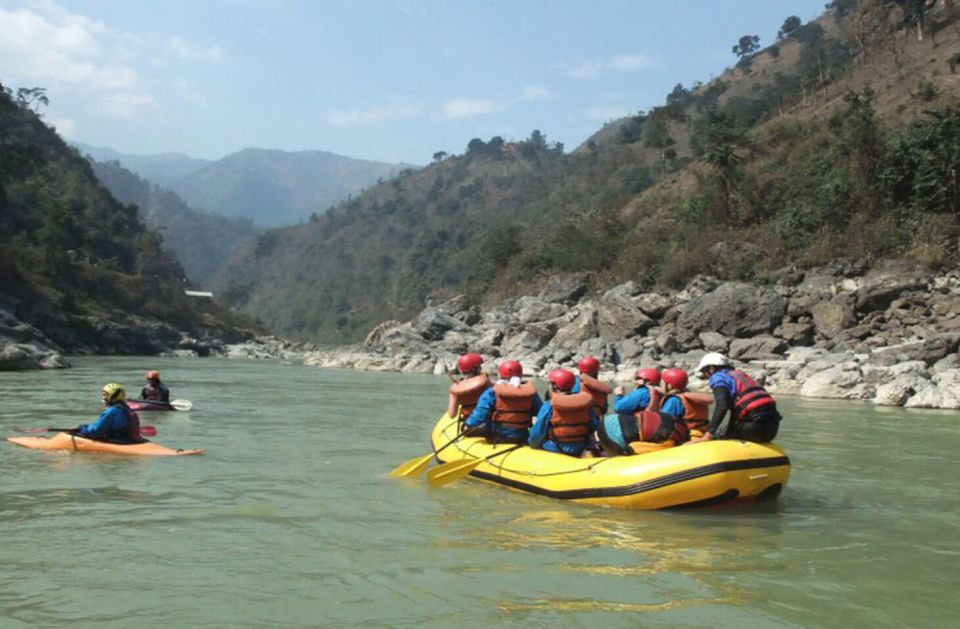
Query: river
[[290, 518]]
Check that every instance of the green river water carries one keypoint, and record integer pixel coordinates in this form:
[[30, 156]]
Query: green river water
[[290, 519]]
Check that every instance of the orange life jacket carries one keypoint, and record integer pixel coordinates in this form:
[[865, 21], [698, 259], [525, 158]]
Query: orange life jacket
[[750, 395], [696, 408], [513, 408], [598, 391], [570, 422], [653, 427], [468, 391]]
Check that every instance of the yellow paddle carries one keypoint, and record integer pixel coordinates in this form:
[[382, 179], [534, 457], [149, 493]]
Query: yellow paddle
[[413, 467], [449, 472]]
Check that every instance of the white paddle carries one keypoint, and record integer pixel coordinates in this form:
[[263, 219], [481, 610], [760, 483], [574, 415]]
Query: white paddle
[[181, 405]]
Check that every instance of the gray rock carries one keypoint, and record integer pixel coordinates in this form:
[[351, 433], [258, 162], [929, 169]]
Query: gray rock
[[713, 341], [531, 338], [733, 309], [833, 316], [529, 309], [929, 350], [618, 318], [566, 289], [797, 333], [757, 348], [433, 324], [579, 330], [626, 290], [653, 304]]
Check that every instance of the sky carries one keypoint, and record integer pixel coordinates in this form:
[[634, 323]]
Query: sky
[[387, 80]]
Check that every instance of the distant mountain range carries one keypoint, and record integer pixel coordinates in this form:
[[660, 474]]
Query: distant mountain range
[[268, 187]]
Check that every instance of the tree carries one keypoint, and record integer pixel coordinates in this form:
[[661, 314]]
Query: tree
[[790, 24], [657, 136], [723, 141], [32, 98], [439, 156], [747, 45], [475, 146], [915, 11]]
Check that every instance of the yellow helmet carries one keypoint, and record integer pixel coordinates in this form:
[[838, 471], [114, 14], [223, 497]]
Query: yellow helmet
[[114, 392]]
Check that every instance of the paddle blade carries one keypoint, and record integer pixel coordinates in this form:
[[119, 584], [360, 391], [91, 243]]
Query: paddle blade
[[413, 467], [449, 472], [181, 405]]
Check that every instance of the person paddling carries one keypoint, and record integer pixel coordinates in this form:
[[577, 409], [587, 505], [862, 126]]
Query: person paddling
[[117, 423], [753, 411], [646, 397], [466, 392], [505, 411], [695, 405], [155, 391]]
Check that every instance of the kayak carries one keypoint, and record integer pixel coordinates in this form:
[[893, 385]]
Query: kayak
[[66, 441], [695, 475], [149, 405]]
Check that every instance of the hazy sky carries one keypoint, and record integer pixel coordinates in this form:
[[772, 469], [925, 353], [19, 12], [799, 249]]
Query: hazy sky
[[392, 80]]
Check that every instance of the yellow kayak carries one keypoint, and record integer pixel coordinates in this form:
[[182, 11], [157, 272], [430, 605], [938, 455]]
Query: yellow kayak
[[66, 441], [695, 475]]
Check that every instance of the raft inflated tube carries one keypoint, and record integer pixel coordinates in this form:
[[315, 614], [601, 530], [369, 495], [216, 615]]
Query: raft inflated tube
[[66, 441], [699, 474]]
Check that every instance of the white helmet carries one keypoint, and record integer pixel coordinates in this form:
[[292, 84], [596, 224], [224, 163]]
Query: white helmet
[[713, 359]]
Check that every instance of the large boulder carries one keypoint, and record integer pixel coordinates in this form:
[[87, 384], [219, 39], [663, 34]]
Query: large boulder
[[843, 381], [618, 318], [757, 347], [432, 324], [733, 309], [529, 309], [833, 316], [579, 330], [567, 289]]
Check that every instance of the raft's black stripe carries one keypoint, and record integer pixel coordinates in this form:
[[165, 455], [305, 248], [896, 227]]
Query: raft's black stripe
[[727, 496], [637, 488]]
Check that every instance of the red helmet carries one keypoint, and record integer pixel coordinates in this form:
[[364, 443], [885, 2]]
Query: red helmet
[[589, 364], [510, 369], [652, 376], [469, 362], [676, 378], [152, 375], [562, 379]]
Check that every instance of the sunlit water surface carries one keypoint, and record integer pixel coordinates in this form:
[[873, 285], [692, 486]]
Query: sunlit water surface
[[290, 519]]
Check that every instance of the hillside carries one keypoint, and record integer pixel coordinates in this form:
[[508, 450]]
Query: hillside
[[815, 148], [159, 169], [200, 240], [76, 263], [272, 187]]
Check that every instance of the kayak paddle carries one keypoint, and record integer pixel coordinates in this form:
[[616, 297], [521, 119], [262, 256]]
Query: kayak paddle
[[181, 405], [145, 431], [413, 467], [449, 472]]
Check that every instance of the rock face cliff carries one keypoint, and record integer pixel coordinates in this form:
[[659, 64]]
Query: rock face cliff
[[889, 334]]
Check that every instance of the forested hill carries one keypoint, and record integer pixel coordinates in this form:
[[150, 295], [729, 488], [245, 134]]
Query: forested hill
[[272, 187], [159, 169], [200, 240], [74, 262], [839, 140]]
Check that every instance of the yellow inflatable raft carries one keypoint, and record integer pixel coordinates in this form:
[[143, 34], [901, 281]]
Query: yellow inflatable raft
[[694, 475]]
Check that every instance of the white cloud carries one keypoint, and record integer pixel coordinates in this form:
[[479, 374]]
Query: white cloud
[[593, 68], [466, 107], [182, 49], [64, 126], [371, 115], [126, 104], [533, 92]]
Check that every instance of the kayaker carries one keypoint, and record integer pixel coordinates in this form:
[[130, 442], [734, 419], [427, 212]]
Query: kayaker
[[589, 368], [753, 411], [155, 390], [505, 411], [646, 397], [117, 423], [566, 421], [466, 392], [695, 404]]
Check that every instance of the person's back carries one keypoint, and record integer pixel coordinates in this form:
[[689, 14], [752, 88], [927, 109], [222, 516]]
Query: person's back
[[753, 411], [564, 424], [504, 412], [692, 406], [589, 368]]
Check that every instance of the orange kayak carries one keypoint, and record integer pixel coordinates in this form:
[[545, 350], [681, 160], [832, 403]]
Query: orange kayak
[[66, 441]]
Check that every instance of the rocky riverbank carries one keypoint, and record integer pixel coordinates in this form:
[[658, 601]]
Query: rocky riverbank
[[888, 333]]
